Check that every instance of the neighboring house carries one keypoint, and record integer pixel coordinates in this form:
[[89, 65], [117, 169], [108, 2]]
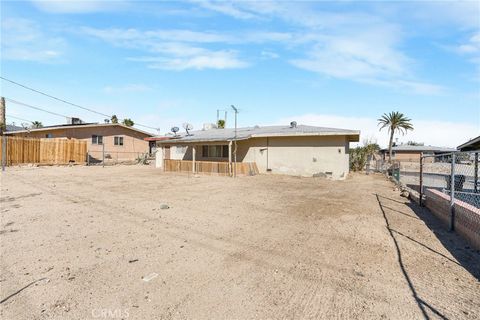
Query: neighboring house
[[471, 145], [121, 143], [11, 127], [409, 153], [294, 150]]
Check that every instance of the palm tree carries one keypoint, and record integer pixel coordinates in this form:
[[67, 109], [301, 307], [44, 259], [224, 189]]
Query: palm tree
[[36, 124], [394, 121], [128, 122]]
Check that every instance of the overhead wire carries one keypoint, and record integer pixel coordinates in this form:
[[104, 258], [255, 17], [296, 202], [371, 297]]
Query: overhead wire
[[68, 102]]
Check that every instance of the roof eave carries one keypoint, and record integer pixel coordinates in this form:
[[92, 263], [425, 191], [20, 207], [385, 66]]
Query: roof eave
[[468, 143], [79, 127]]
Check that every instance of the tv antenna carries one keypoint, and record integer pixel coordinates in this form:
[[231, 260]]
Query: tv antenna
[[225, 116], [187, 126]]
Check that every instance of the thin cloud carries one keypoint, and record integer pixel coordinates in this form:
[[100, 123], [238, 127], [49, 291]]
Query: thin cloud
[[172, 49], [200, 59], [23, 39], [353, 46], [227, 8], [79, 7]]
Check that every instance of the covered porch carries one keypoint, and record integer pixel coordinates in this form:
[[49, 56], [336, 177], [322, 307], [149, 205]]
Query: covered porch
[[211, 158]]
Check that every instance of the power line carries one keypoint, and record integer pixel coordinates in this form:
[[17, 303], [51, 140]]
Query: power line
[[10, 116], [36, 108], [50, 96], [69, 103]]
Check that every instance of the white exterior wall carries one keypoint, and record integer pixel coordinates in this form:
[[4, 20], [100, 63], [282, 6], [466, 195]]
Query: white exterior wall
[[159, 158]]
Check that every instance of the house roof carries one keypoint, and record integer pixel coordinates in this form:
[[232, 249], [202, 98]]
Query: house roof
[[473, 144], [79, 126], [409, 148], [11, 128], [228, 134]]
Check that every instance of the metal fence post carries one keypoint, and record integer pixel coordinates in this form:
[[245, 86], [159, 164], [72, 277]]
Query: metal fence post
[[420, 200], [452, 194], [475, 174]]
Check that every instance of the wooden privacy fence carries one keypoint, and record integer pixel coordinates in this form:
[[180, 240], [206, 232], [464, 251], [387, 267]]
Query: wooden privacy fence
[[43, 151], [210, 167]]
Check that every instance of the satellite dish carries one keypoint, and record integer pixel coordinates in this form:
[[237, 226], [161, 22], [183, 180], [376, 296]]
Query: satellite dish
[[175, 130], [187, 126]]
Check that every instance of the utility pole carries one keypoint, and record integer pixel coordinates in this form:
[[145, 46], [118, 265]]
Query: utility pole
[[3, 122], [235, 144], [3, 128]]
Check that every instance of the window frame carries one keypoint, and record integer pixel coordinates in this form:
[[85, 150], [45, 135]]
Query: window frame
[[97, 139], [118, 141], [215, 151]]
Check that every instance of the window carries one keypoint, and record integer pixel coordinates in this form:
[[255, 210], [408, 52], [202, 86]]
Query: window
[[48, 135], [215, 151], [180, 150], [97, 139], [118, 141]]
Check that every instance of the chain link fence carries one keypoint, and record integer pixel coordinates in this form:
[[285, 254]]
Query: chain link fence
[[437, 172], [454, 174], [107, 157], [448, 185]]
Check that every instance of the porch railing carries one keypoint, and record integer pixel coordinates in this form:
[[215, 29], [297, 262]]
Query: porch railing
[[210, 167]]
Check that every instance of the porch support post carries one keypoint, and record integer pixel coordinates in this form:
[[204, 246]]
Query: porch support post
[[230, 157], [194, 151], [160, 157]]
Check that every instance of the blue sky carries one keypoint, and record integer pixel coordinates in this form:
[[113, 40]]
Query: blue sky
[[336, 64]]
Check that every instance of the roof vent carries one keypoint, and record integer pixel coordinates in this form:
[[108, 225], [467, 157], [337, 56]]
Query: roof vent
[[293, 124]]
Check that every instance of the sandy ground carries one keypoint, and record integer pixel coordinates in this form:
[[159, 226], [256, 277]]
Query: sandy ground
[[81, 243]]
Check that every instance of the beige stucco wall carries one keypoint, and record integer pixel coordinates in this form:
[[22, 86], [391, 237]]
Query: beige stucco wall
[[133, 141], [302, 156]]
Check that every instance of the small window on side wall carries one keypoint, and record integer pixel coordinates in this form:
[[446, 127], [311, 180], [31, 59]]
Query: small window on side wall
[[97, 139], [48, 135], [118, 141]]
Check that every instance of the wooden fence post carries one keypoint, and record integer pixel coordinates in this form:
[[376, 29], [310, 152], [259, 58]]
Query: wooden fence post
[[4, 152]]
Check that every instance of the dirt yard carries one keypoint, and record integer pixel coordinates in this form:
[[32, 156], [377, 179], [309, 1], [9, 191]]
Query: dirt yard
[[94, 243]]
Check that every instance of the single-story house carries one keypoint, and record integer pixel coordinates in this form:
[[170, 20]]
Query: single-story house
[[410, 153], [120, 143], [471, 145], [295, 150]]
